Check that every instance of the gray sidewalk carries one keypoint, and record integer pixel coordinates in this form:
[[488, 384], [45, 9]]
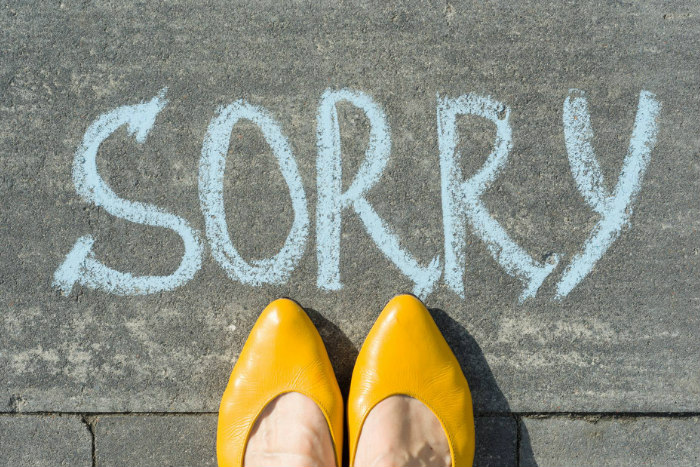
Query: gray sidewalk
[[530, 169], [511, 440]]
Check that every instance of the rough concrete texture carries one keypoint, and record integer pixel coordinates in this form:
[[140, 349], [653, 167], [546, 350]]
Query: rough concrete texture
[[496, 442], [155, 440], [624, 340], [51, 440], [618, 442]]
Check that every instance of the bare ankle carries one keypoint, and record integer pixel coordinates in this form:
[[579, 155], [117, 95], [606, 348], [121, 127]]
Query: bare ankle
[[288, 459], [391, 458], [402, 432], [291, 431]]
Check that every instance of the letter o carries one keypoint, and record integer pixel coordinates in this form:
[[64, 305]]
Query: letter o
[[275, 270]]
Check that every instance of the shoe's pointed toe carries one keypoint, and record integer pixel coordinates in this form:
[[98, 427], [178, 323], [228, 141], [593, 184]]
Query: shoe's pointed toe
[[283, 353], [405, 354]]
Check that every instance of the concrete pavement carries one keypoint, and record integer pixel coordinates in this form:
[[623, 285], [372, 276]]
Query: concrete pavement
[[86, 356]]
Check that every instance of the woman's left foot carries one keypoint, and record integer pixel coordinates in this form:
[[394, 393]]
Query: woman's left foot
[[401, 431]]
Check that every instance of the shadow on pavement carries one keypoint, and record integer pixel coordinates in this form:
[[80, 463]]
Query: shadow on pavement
[[496, 437], [341, 350], [527, 457]]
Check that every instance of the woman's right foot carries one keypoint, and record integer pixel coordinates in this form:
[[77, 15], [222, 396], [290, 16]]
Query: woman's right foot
[[292, 432], [401, 431]]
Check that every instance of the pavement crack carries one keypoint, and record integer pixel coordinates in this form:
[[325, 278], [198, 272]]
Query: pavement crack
[[89, 421]]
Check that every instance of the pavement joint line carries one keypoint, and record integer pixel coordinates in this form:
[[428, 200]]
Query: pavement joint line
[[88, 416], [518, 437], [89, 421], [591, 416]]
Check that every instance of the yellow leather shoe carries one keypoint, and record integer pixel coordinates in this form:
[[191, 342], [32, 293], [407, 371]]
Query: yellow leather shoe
[[405, 354], [283, 353]]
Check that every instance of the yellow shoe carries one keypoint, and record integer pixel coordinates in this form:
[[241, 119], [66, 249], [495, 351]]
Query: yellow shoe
[[405, 354], [283, 353]]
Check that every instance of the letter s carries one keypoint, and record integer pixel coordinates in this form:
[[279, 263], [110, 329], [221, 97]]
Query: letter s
[[80, 264]]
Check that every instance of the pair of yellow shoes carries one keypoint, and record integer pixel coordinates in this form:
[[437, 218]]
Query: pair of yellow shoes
[[404, 354]]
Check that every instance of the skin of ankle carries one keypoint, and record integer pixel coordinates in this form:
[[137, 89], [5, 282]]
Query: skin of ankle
[[290, 431], [402, 432]]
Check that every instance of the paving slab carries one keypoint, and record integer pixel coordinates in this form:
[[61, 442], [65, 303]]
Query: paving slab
[[610, 442], [46, 440], [155, 440], [623, 339]]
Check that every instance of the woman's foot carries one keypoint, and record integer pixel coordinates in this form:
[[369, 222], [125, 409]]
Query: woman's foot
[[401, 431], [292, 432]]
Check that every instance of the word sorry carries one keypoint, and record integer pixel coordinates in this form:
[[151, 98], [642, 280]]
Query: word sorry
[[462, 205]]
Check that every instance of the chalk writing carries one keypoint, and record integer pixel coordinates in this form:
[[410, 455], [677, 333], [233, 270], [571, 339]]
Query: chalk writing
[[331, 201], [275, 270], [461, 199], [462, 205], [614, 209], [80, 264]]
